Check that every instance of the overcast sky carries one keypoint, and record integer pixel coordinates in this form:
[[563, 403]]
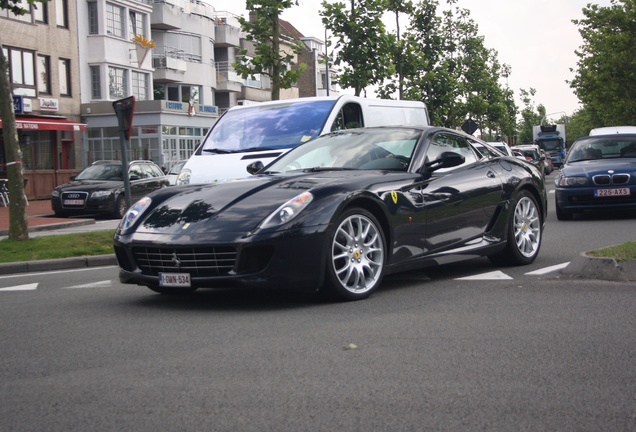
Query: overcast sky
[[535, 37]]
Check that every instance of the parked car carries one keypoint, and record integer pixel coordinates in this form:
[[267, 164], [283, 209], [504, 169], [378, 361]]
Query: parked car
[[338, 213], [174, 171], [99, 188], [500, 145], [532, 153], [599, 173]]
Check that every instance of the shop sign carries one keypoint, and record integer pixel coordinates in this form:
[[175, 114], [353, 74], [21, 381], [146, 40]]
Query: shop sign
[[49, 104]]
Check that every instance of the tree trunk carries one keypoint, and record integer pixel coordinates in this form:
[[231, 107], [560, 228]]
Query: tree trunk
[[276, 66], [18, 228]]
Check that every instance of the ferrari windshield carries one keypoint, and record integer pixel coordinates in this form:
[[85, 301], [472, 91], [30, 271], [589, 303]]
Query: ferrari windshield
[[266, 127], [385, 149]]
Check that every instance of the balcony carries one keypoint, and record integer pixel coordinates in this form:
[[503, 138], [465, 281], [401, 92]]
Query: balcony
[[227, 79], [169, 68]]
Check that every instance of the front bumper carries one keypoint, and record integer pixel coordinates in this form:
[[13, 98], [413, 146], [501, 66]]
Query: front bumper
[[287, 259], [583, 198]]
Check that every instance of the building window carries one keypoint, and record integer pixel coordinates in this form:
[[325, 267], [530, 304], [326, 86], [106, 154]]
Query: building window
[[40, 12], [114, 20], [21, 71], [64, 66], [117, 86], [44, 74], [93, 24], [96, 83], [140, 85], [27, 17], [182, 93], [61, 13], [137, 24]]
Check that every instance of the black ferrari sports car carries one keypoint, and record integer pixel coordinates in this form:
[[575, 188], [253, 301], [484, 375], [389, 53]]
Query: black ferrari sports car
[[339, 213]]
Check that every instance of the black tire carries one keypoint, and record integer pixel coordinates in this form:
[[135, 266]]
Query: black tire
[[120, 207], [356, 256], [524, 232], [561, 214], [172, 290]]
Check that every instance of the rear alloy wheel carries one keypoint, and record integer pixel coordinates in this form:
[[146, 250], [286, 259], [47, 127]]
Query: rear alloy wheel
[[524, 232], [356, 255]]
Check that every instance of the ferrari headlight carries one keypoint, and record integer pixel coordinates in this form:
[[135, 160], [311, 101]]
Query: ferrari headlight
[[184, 177], [101, 193], [571, 181], [134, 213], [288, 211]]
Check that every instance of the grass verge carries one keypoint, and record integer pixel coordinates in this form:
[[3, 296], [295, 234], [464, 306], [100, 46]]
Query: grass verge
[[57, 246], [622, 252]]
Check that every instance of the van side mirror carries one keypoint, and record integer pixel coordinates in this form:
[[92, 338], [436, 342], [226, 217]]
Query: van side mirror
[[255, 167]]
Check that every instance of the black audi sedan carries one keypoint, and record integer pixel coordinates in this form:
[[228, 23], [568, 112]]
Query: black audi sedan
[[337, 214], [99, 188]]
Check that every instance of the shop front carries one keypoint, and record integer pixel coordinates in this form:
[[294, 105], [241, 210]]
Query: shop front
[[49, 147]]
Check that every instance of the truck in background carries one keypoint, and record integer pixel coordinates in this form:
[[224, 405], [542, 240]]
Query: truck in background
[[551, 139]]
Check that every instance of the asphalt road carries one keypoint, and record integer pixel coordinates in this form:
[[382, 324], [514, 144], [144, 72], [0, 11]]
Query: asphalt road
[[461, 347]]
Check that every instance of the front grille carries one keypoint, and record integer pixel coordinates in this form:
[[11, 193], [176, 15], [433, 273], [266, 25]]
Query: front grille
[[203, 261], [615, 179], [73, 200]]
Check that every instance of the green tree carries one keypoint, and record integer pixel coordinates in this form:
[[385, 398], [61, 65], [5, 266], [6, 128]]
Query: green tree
[[18, 227], [363, 46], [270, 59], [605, 78], [531, 115]]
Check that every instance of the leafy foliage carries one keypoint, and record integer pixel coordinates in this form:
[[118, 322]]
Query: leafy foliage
[[269, 57], [605, 80], [531, 115], [363, 46]]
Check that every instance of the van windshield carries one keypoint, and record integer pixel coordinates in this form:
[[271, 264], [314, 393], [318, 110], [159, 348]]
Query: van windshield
[[280, 126]]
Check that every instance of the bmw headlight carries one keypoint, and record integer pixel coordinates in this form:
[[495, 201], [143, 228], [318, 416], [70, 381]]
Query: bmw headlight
[[184, 177], [288, 211], [134, 213], [571, 181], [101, 193]]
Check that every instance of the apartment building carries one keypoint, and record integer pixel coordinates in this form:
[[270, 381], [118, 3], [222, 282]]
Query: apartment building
[[41, 49]]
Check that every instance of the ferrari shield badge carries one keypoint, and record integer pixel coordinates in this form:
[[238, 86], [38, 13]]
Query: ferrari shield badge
[[394, 197]]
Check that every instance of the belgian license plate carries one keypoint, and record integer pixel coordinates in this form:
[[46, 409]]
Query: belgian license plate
[[73, 202], [611, 192], [174, 279]]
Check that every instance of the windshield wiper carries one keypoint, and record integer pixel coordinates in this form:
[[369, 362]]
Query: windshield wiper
[[218, 151], [320, 168]]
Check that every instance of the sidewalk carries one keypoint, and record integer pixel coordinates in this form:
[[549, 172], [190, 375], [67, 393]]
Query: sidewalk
[[40, 217]]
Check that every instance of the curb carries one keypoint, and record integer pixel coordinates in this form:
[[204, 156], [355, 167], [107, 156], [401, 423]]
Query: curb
[[588, 267], [58, 264], [54, 226]]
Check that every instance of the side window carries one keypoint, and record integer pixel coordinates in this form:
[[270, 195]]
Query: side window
[[349, 117], [153, 171], [135, 170], [443, 142]]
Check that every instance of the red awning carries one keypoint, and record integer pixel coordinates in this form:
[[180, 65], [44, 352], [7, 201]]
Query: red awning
[[31, 123]]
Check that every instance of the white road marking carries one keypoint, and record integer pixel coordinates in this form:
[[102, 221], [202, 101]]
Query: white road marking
[[26, 287], [494, 275], [99, 284], [18, 275], [546, 270]]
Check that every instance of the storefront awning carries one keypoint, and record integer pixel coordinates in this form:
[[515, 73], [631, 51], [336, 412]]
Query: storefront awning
[[45, 124]]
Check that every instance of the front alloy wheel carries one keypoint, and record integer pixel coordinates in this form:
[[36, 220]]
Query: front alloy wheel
[[356, 255]]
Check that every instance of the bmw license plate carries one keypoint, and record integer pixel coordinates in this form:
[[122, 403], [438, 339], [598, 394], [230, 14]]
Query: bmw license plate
[[174, 279], [611, 192]]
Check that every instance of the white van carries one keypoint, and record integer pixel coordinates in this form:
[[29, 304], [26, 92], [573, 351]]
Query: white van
[[610, 130], [245, 134]]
